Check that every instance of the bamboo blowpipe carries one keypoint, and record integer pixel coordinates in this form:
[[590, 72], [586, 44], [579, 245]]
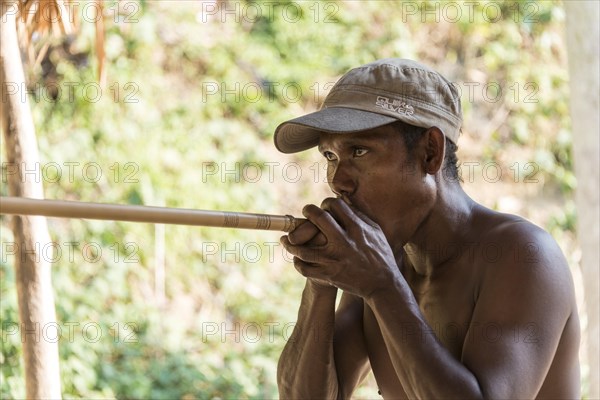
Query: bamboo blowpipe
[[156, 215]]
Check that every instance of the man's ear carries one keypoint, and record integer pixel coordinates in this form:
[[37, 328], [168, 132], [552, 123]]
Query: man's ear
[[434, 144]]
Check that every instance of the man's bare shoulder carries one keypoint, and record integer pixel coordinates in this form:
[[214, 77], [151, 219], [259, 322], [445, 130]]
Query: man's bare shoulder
[[526, 294], [517, 251], [512, 232], [503, 223]]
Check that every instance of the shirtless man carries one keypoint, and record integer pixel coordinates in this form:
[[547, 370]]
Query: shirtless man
[[441, 297]]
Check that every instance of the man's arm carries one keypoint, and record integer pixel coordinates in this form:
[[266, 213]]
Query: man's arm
[[312, 365], [349, 346], [517, 324], [306, 367], [326, 356]]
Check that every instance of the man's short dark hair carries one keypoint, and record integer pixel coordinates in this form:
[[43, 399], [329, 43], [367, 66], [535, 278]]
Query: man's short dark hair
[[411, 135]]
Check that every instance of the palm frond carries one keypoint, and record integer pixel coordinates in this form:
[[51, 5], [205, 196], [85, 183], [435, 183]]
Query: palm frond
[[39, 21]]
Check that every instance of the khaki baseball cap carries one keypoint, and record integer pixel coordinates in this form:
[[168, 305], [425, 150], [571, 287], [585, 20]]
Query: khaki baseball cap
[[374, 95]]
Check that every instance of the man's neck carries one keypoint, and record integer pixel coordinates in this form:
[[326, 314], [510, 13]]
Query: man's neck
[[442, 233]]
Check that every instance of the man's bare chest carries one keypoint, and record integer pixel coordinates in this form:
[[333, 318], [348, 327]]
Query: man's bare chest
[[448, 313], [447, 306], [448, 309]]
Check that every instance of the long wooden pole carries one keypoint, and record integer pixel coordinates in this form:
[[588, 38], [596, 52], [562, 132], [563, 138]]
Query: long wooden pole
[[157, 215], [32, 272]]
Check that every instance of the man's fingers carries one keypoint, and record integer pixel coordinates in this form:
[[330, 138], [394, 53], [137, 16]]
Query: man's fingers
[[313, 255], [340, 211], [322, 220], [346, 215], [307, 233], [309, 270], [363, 216]]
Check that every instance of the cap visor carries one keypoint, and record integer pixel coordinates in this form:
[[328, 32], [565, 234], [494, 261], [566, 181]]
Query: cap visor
[[303, 133]]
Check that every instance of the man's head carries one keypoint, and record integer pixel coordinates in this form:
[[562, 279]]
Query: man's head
[[374, 95]]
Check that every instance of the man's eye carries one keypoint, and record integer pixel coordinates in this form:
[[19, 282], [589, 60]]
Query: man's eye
[[359, 152], [329, 155]]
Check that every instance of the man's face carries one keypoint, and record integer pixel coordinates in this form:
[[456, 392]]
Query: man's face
[[372, 171]]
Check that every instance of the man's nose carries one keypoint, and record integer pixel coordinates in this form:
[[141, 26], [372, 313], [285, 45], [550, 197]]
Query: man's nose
[[340, 179]]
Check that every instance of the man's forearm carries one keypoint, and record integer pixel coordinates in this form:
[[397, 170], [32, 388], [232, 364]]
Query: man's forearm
[[425, 368], [306, 367]]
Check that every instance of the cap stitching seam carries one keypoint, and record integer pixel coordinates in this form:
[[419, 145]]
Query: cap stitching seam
[[409, 97]]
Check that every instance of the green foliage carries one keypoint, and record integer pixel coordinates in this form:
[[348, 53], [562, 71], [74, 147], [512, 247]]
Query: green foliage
[[191, 92]]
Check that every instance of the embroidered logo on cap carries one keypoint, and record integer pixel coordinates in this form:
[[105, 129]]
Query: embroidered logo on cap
[[397, 106]]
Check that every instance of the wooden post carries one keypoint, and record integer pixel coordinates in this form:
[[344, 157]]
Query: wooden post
[[582, 47], [32, 271]]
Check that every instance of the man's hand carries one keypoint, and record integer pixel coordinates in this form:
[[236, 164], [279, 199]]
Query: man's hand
[[342, 247], [307, 234]]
